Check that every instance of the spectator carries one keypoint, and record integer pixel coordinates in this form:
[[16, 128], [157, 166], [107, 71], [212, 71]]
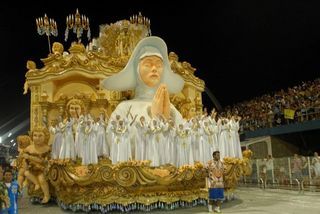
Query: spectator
[[269, 169], [316, 164], [12, 187], [268, 110], [4, 198], [297, 167], [305, 170]]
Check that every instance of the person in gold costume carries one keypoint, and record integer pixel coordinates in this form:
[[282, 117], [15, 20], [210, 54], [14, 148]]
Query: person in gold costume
[[215, 171], [36, 156]]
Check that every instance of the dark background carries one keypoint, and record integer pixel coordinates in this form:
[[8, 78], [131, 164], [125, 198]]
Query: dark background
[[241, 49]]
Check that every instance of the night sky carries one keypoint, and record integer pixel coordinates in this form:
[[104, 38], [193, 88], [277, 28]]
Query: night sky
[[241, 49]]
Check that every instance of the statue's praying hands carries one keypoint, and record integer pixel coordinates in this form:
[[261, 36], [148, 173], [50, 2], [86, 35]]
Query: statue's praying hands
[[161, 103]]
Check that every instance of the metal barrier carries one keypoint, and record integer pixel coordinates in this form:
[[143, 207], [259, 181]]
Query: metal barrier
[[263, 184], [285, 175]]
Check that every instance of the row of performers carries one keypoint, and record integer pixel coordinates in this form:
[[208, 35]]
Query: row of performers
[[159, 141]]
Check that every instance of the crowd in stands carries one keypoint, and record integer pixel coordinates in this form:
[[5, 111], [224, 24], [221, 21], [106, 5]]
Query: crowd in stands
[[296, 104]]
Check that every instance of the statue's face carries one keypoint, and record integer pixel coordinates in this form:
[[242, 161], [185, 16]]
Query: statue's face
[[150, 69], [38, 138], [74, 110]]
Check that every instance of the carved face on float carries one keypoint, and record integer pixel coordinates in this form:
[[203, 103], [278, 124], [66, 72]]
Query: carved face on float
[[74, 110], [38, 138], [150, 70], [75, 107]]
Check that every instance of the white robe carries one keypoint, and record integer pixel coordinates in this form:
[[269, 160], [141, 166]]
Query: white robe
[[235, 139], [57, 141], [210, 141], [196, 142], [90, 155], [67, 150], [169, 153], [154, 139], [184, 148], [140, 141], [79, 139], [102, 146], [224, 141], [316, 166], [121, 146]]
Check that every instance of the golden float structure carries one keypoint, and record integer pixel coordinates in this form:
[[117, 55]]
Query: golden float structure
[[132, 185]]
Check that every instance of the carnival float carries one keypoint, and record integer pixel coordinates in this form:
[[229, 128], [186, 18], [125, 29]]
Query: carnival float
[[69, 85]]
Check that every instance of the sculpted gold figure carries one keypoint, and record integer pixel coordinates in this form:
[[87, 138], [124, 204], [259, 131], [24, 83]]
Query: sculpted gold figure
[[36, 156], [57, 48], [75, 108], [23, 143]]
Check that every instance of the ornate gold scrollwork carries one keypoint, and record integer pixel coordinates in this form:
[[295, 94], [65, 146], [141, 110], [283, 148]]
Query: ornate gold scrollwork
[[106, 173], [126, 176]]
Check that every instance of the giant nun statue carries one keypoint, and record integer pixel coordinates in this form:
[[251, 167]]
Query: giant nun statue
[[148, 72]]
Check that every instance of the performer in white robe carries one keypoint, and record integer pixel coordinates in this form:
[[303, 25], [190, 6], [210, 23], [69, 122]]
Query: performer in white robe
[[235, 138], [80, 136], [316, 164], [169, 134], [154, 139], [121, 146], [57, 141], [184, 148], [162, 144], [102, 146], [141, 139], [208, 136], [86, 146], [214, 125], [110, 131], [67, 150], [224, 139], [196, 139], [230, 144], [89, 153]]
